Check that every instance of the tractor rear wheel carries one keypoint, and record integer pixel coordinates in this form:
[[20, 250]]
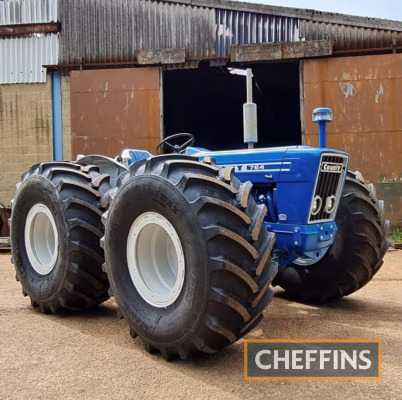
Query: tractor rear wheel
[[187, 255], [355, 257], [55, 231]]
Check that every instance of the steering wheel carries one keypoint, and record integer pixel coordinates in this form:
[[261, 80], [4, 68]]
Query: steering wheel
[[175, 147]]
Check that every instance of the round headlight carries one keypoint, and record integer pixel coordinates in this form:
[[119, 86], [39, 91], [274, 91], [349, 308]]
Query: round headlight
[[316, 207], [329, 204]]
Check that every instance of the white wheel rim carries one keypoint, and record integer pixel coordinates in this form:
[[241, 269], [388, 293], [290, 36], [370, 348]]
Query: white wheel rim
[[155, 259], [41, 239]]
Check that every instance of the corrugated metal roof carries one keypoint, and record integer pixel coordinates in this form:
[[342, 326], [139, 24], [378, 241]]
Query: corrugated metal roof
[[21, 59], [349, 37], [301, 13], [102, 31], [27, 11], [239, 27], [112, 30]]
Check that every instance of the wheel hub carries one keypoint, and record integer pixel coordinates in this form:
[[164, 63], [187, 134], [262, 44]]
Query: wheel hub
[[310, 257], [41, 239], [155, 259]]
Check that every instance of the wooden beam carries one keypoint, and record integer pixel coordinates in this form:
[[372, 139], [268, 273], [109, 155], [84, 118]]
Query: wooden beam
[[162, 56], [28, 29], [281, 50]]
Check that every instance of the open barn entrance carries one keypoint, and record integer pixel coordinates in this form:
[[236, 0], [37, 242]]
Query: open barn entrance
[[208, 101]]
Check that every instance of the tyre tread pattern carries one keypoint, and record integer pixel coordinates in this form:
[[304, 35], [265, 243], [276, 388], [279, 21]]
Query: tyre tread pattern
[[85, 285], [231, 312], [372, 230]]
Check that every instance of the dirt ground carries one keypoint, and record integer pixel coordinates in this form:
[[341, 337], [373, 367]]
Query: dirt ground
[[91, 355]]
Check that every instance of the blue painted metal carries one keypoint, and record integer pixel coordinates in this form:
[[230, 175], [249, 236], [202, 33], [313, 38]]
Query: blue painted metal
[[293, 240], [322, 116], [56, 117], [130, 156], [322, 134], [284, 180], [291, 170]]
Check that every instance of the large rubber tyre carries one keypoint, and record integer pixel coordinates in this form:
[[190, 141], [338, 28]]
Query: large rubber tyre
[[355, 257], [72, 194], [227, 252]]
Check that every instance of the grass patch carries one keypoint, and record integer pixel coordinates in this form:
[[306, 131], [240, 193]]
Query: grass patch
[[396, 234]]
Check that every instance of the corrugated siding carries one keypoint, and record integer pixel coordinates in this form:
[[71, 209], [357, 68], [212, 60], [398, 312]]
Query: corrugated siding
[[349, 37], [27, 11], [21, 59], [239, 27], [112, 30]]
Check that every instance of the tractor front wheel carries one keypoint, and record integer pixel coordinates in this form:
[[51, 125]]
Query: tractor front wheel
[[187, 255], [354, 258]]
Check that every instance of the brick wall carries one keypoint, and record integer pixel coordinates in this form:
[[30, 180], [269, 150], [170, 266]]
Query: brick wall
[[26, 130], [65, 99]]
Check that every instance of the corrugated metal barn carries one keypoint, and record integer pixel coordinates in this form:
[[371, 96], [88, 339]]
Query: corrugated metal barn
[[134, 71]]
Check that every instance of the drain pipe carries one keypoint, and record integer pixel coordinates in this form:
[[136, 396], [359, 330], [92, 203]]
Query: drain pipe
[[57, 117], [250, 114]]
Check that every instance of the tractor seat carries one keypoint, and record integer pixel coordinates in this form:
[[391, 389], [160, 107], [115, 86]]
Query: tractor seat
[[130, 156]]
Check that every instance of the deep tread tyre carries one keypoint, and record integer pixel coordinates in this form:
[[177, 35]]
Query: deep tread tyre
[[73, 193], [357, 254], [227, 250]]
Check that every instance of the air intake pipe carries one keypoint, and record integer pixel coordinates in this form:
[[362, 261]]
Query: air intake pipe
[[322, 116]]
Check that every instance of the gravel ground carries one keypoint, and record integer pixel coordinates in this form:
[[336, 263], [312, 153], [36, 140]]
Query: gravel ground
[[91, 355]]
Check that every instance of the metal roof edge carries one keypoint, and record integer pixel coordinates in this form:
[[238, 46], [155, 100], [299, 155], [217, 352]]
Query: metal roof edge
[[306, 14]]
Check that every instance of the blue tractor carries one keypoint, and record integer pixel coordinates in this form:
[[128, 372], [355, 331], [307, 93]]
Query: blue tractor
[[191, 243]]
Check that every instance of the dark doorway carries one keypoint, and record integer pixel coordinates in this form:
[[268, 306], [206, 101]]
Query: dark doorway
[[208, 102]]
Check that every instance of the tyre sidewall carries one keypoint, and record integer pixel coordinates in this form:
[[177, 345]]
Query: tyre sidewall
[[170, 325], [35, 190]]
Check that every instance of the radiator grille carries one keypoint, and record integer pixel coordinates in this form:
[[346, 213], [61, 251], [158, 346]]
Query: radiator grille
[[328, 186]]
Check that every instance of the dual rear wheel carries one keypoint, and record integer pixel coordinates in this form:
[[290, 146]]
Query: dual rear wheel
[[186, 252]]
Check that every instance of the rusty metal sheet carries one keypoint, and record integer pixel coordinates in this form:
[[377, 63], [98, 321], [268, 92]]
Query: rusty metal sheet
[[115, 109], [29, 29], [365, 94], [281, 51]]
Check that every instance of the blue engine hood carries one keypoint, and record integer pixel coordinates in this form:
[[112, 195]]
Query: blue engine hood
[[291, 170]]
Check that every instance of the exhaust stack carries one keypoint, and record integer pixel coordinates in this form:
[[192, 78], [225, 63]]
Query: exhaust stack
[[250, 114]]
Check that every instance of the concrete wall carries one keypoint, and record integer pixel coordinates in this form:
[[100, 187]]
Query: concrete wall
[[26, 130], [365, 94]]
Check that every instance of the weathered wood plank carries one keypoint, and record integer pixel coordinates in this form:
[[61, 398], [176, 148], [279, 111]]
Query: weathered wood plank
[[162, 56], [281, 51]]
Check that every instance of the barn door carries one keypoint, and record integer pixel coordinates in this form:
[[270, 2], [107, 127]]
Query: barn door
[[114, 109]]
